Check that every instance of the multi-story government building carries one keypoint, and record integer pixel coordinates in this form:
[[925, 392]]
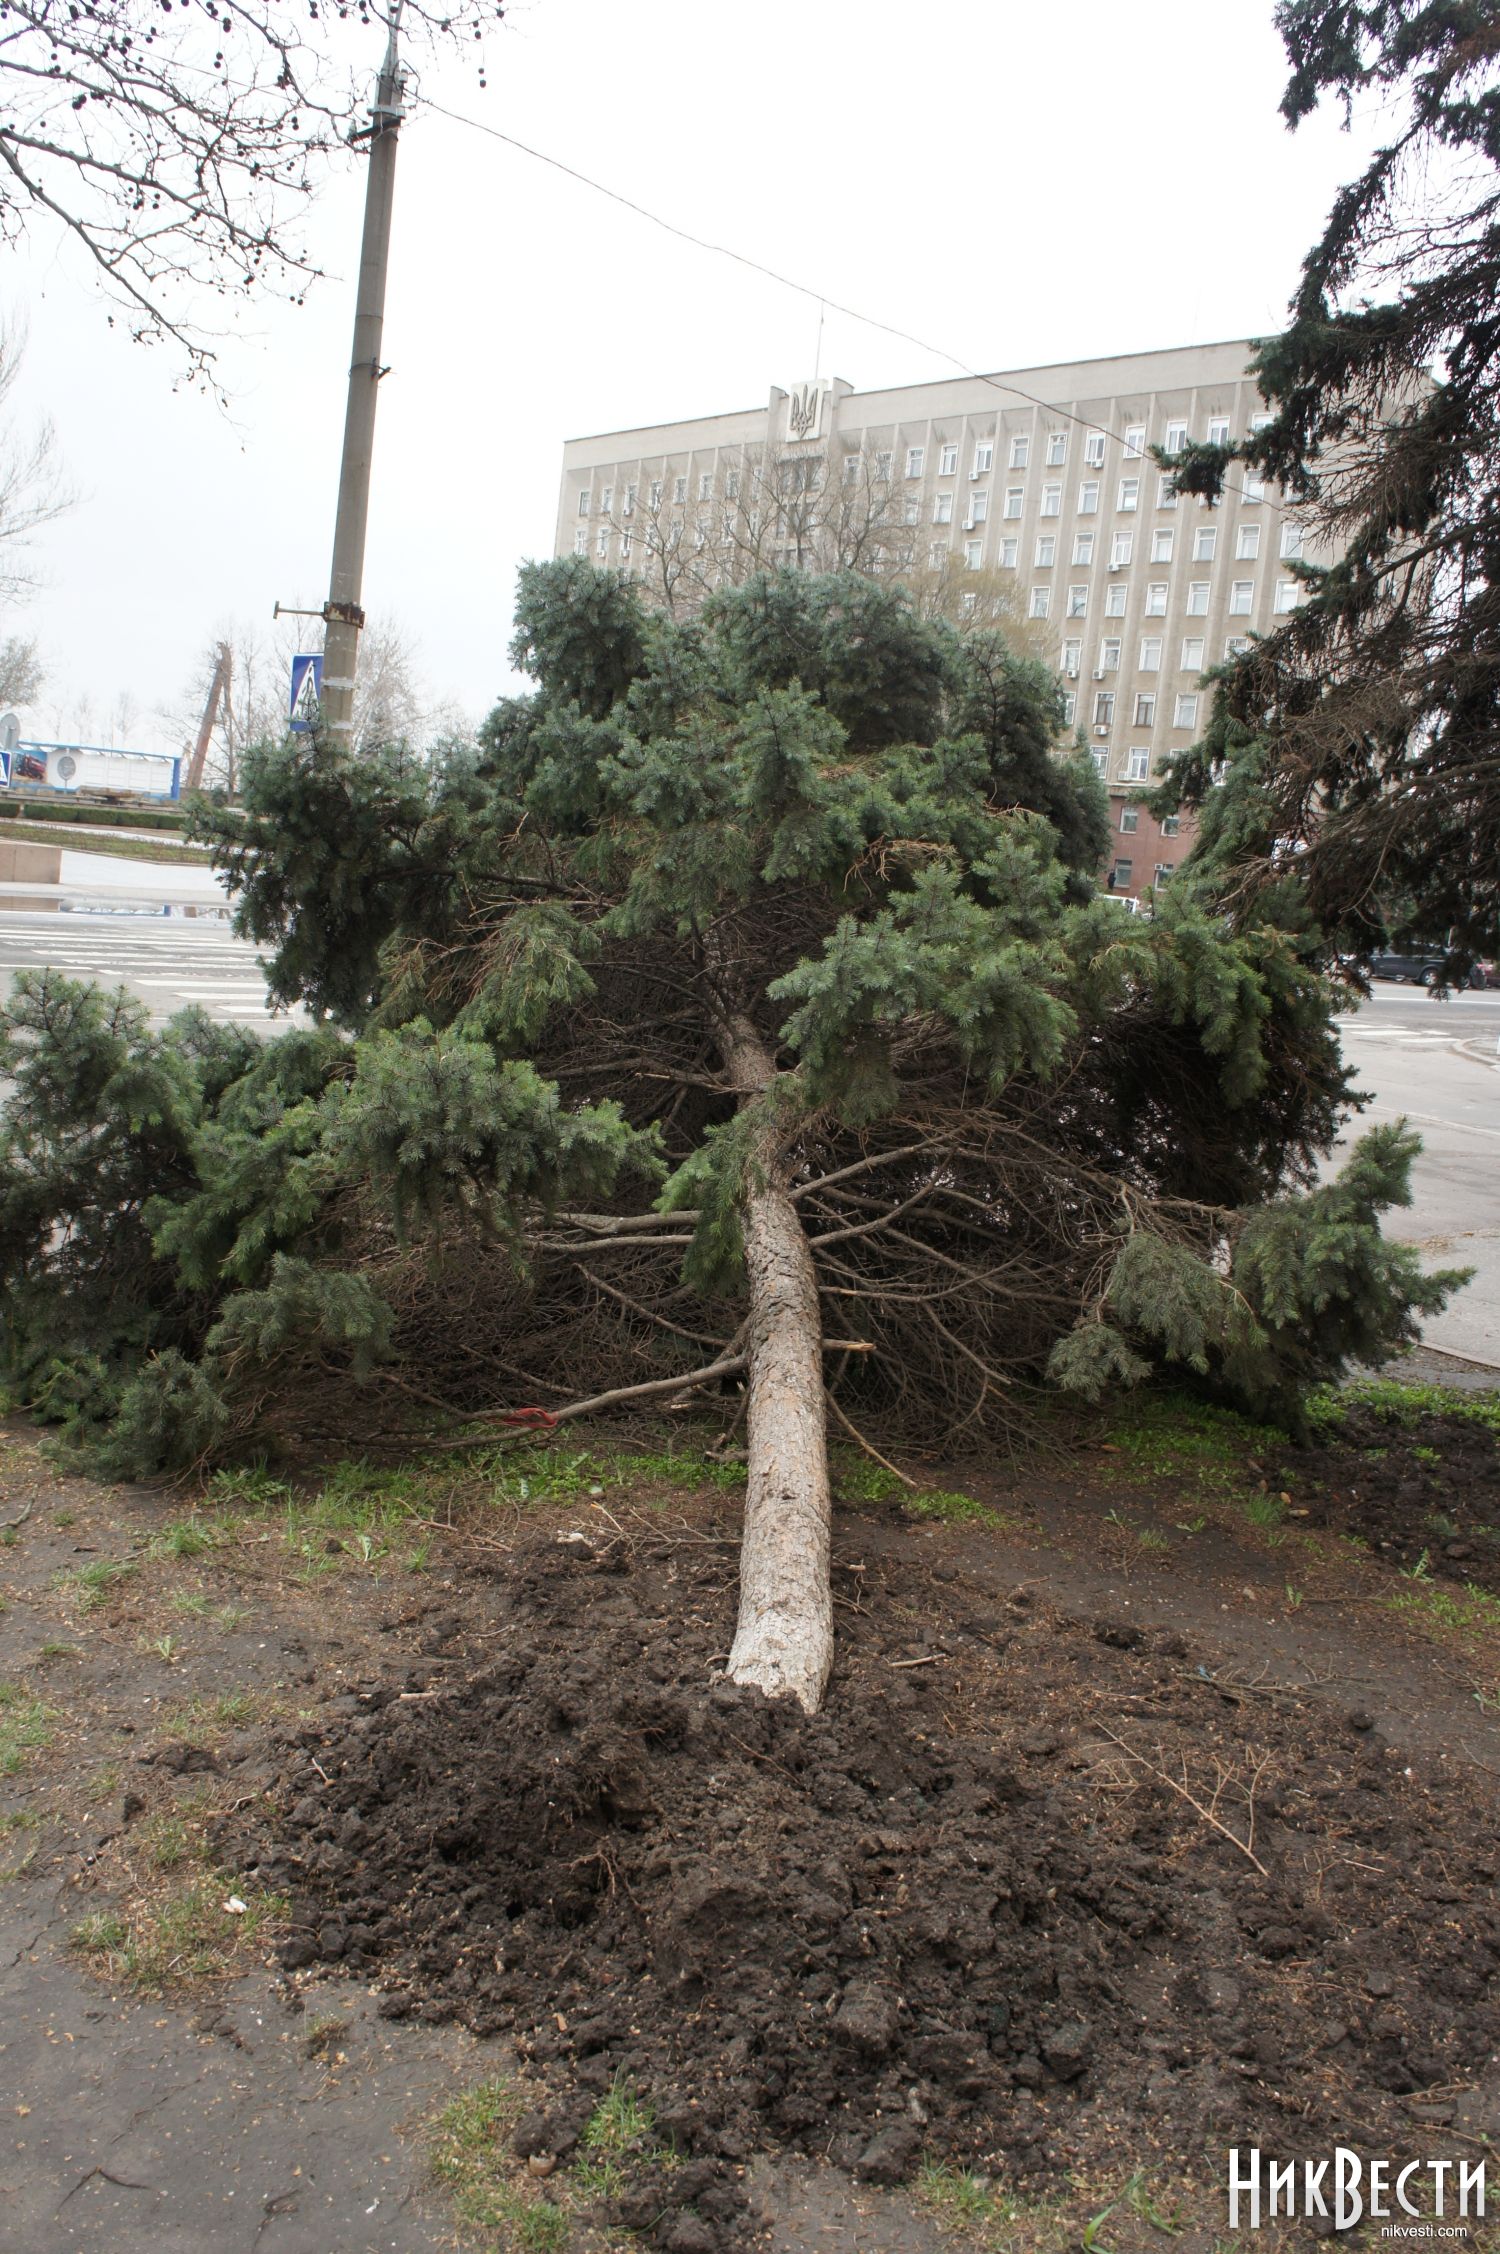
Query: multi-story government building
[[1029, 496]]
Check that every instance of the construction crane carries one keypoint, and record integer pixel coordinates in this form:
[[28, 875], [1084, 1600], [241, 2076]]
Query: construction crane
[[218, 693]]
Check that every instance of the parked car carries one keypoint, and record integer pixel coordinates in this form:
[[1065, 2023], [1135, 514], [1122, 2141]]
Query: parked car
[[1423, 966]]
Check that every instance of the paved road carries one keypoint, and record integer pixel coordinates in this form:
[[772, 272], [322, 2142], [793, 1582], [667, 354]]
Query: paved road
[[1437, 1063], [168, 960]]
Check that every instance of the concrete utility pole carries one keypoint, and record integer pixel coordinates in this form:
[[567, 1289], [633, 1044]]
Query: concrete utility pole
[[342, 612]]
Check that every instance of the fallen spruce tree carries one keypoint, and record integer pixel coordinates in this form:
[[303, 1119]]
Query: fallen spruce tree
[[745, 1019]]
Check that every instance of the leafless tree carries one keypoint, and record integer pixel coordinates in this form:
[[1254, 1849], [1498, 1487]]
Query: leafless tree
[[32, 489], [21, 673], [177, 148], [762, 511]]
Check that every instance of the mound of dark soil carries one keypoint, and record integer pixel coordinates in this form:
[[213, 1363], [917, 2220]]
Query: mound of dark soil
[[963, 1909], [1428, 1490]]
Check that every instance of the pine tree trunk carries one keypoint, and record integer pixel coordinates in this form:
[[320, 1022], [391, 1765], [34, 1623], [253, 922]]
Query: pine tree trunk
[[784, 1636]]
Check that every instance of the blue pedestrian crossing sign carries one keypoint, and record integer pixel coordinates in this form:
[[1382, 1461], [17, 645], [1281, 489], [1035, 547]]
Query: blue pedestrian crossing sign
[[307, 692]]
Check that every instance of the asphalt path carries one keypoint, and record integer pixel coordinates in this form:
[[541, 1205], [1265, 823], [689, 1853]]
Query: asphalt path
[[1436, 1063]]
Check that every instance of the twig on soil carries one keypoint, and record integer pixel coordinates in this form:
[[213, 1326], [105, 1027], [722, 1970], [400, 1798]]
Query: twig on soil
[[874, 1453], [1185, 1792], [930, 1660], [8, 1526]]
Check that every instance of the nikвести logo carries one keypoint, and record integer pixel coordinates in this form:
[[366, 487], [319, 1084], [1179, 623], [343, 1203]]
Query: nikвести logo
[[1346, 2189]]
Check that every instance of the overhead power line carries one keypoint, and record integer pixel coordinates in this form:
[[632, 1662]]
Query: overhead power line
[[784, 281]]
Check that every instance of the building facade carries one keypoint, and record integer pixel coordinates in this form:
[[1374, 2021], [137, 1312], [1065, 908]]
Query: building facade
[[1038, 481]]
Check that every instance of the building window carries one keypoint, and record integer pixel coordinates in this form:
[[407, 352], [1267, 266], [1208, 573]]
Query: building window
[[1010, 553], [1129, 494], [1174, 438], [1151, 654], [1205, 541], [706, 482], [1192, 654], [1069, 708], [1114, 600], [1083, 547], [1236, 645], [1130, 820], [973, 550], [1166, 493], [1041, 601], [1170, 824], [1161, 545], [601, 544], [584, 499], [1119, 876], [1046, 550], [1101, 764], [936, 554], [581, 541], [1254, 487], [1197, 601], [1137, 762], [851, 469], [979, 507], [1156, 599], [1078, 602], [1121, 549], [732, 486], [655, 501], [1291, 539], [626, 542], [911, 512], [967, 604], [1135, 441], [1104, 708], [1247, 543], [948, 461], [942, 508], [1013, 501], [607, 499], [1088, 497], [1185, 712], [1287, 593], [1051, 501], [1109, 656], [1164, 870], [679, 492], [630, 494], [1020, 451], [1218, 430], [1093, 449], [1241, 598], [984, 456], [883, 467], [915, 457], [1057, 449], [1072, 658]]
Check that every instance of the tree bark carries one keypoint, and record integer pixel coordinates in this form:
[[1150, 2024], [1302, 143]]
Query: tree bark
[[783, 1639]]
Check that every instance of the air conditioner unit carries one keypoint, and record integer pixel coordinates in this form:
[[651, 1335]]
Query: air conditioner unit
[[1098, 673], [1101, 727]]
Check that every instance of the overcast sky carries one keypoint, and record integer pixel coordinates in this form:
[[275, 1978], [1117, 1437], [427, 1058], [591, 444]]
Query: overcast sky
[[1017, 184]]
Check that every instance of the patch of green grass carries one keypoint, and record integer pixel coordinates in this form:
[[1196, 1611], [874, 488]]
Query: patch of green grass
[[189, 1936], [974, 2208], [954, 1510], [1432, 1456], [203, 1721], [168, 1841], [248, 1487], [93, 1584], [1172, 1436], [859, 1479], [620, 2130], [186, 1537], [64, 1519], [25, 1726], [1468, 1613], [471, 2159], [1265, 1510], [57, 1651], [1151, 1538], [1399, 1403]]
